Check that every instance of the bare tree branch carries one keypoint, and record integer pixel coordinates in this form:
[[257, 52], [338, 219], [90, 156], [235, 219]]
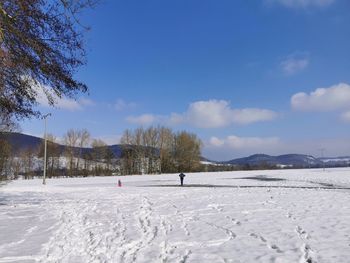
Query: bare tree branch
[[41, 42]]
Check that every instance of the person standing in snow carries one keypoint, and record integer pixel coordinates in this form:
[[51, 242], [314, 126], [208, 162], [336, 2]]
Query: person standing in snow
[[182, 175], [119, 183]]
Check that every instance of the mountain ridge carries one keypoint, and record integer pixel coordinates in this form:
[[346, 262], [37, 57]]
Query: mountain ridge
[[20, 142]]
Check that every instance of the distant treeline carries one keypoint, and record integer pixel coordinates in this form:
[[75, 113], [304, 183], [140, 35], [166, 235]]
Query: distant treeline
[[153, 150], [160, 150], [67, 160], [143, 151], [264, 166]]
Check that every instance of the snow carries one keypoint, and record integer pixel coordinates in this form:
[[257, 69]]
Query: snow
[[214, 164], [311, 157], [208, 163], [251, 216], [342, 159], [284, 165]]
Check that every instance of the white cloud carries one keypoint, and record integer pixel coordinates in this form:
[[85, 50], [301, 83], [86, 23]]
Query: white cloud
[[144, 119], [218, 113], [86, 102], [251, 115], [110, 139], [235, 147], [301, 3], [216, 142], [60, 102], [323, 99], [345, 116], [174, 119], [209, 114], [294, 63], [235, 142], [121, 105]]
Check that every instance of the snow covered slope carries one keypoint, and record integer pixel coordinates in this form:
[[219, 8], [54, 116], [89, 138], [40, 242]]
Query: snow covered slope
[[296, 160], [345, 160], [253, 216]]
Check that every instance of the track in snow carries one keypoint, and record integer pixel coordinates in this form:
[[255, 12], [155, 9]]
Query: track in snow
[[102, 223]]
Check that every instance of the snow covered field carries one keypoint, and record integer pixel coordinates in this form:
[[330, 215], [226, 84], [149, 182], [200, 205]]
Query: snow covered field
[[255, 216]]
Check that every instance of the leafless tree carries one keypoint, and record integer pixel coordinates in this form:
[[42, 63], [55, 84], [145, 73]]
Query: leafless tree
[[5, 158], [41, 45], [159, 149], [28, 162], [82, 142], [53, 154], [166, 144], [187, 152], [7, 123], [71, 142], [99, 153]]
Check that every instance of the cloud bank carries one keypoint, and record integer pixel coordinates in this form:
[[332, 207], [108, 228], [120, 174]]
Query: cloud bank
[[333, 98], [209, 114], [144, 119], [236, 142], [121, 105], [234, 146], [294, 63], [59, 102]]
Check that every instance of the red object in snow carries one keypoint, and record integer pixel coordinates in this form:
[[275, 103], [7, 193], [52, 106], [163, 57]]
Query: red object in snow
[[119, 183]]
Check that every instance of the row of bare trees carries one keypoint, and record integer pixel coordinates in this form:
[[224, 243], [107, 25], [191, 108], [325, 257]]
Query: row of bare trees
[[82, 154], [6, 159], [76, 155], [23, 163], [143, 151], [160, 150]]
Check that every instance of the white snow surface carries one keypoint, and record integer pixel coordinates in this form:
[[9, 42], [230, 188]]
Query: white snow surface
[[341, 159], [275, 216]]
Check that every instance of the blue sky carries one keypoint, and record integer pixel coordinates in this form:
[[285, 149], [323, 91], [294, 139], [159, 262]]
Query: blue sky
[[264, 76]]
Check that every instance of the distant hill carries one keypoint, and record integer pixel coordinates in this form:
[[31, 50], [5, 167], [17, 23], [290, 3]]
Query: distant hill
[[20, 142], [332, 161], [286, 159], [292, 160]]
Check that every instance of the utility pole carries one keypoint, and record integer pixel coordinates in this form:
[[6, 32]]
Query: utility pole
[[45, 147], [322, 155]]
